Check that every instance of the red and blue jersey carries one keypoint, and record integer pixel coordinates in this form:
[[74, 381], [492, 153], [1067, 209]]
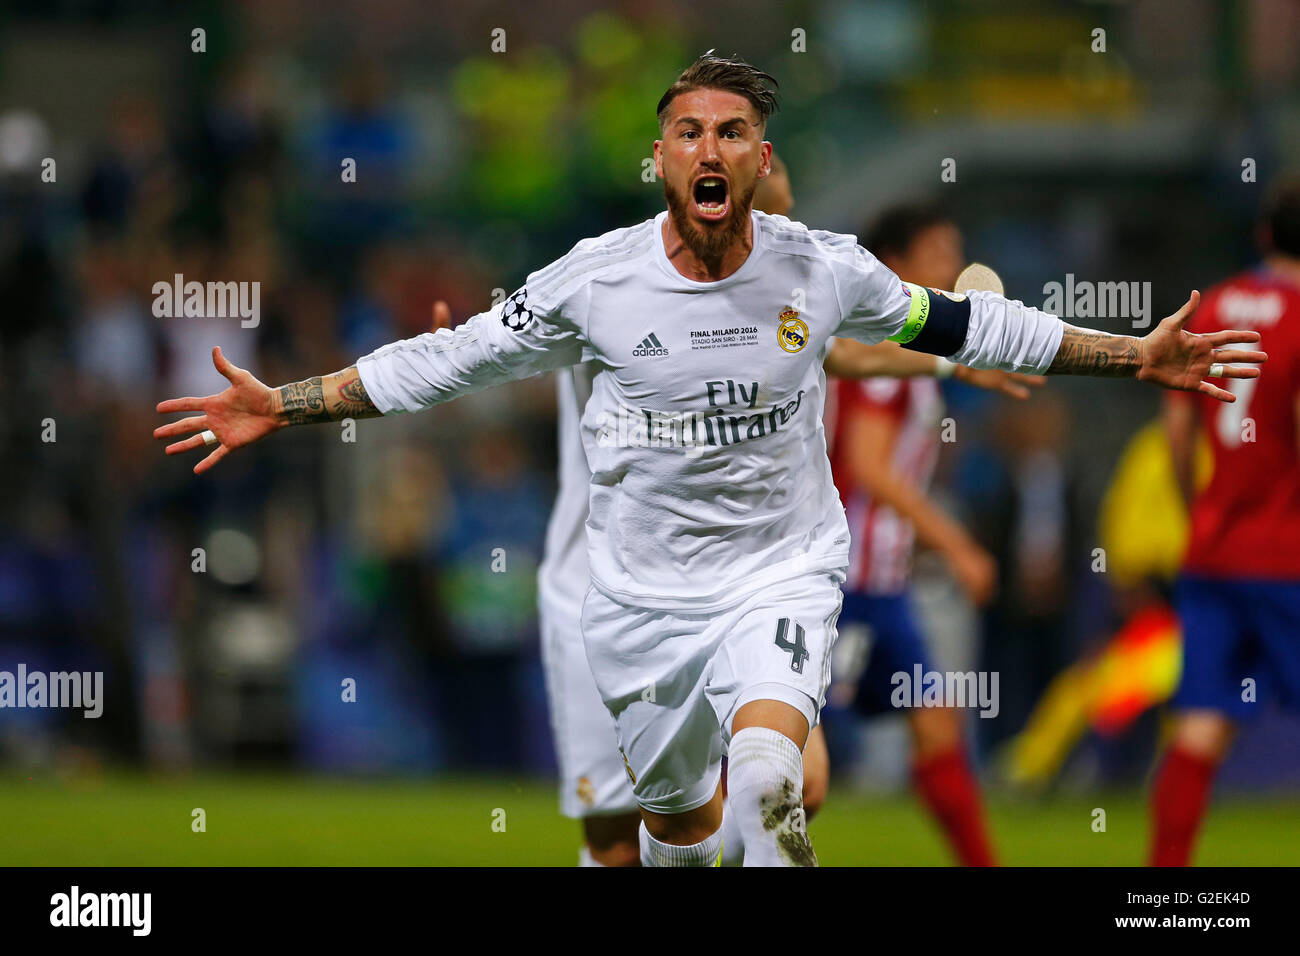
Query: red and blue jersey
[[1246, 522]]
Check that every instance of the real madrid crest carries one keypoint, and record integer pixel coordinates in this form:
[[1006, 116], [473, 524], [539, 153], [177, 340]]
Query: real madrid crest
[[792, 333]]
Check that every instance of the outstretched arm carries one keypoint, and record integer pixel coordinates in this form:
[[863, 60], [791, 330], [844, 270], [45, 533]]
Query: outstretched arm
[[851, 359], [509, 342], [986, 330], [1169, 356], [325, 398], [248, 410]]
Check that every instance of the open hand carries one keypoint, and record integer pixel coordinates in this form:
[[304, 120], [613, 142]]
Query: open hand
[[1178, 359], [242, 414]]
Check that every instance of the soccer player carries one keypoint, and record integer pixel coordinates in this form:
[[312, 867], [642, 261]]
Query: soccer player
[[884, 446], [1238, 596], [594, 785], [715, 541]]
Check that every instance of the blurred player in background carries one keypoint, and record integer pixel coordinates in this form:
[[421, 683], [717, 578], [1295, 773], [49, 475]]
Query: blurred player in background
[[884, 446], [1239, 594]]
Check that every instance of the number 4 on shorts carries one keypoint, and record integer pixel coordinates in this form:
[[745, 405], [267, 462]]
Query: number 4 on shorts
[[797, 649]]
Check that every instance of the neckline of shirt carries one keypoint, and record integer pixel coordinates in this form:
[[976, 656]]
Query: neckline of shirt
[[746, 267]]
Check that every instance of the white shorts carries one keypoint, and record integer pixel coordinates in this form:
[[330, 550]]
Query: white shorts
[[673, 680], [593, 780]]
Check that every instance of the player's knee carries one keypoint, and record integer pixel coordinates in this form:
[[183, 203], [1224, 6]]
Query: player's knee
[[1205, 733], [612, 840], [935, 730], [688, 828], [619, 853]]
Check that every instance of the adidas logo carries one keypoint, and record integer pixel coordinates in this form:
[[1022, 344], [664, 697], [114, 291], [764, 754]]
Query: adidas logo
[[650, 345]]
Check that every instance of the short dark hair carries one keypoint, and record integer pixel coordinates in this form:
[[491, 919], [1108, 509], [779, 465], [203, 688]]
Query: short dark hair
[[732, 74], [1281, 214], [894, 230]]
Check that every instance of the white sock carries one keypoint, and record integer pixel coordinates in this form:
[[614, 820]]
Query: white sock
[[586, 859], [654, 853], [765, 790], [733, 844]]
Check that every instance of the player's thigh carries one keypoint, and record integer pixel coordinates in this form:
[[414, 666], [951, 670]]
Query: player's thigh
[[1220, 648], [649, 667], [777, 646], [592, 777]]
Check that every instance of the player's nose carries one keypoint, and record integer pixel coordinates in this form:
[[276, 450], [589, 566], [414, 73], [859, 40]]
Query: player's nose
[[709, 151]]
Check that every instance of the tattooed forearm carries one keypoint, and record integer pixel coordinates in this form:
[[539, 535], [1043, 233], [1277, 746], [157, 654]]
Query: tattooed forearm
[[353, 402], [328, 398], [303, 403], [1084, 352]]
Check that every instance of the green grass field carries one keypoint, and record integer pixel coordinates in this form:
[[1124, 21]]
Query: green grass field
[[126, 820]]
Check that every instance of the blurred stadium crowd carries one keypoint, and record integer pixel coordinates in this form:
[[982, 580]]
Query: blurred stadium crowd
[[373, 559]]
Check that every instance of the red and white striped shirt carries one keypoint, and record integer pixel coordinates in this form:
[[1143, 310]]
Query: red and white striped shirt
[[880, 554]]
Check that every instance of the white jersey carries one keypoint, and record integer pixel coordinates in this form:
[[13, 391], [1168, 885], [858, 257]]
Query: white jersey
[[703, 433], [563, 578]]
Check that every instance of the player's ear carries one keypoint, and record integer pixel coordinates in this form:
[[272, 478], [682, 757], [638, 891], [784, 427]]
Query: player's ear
[[659, 158], [765, 161]]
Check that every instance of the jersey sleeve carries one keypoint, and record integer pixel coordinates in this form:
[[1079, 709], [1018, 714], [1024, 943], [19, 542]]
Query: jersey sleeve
[[874, 303], [1006, 334], [523, 335], [981, 329]]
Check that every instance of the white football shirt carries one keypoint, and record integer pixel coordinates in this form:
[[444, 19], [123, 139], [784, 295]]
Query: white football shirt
[[563, 578], [703, 432]]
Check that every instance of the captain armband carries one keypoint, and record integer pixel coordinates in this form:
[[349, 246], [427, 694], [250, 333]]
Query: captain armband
[[936, 322]]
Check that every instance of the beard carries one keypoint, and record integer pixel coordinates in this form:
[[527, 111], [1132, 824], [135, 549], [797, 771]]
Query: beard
[[709, 245]]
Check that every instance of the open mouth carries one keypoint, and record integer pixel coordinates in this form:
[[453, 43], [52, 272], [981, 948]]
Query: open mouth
[[710, 195]]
